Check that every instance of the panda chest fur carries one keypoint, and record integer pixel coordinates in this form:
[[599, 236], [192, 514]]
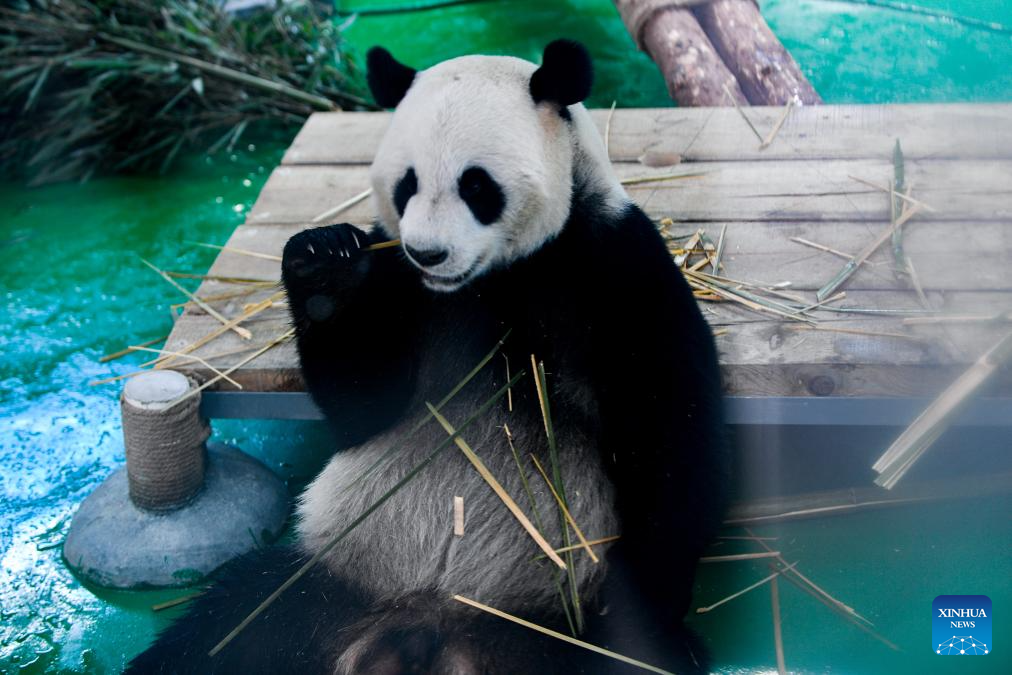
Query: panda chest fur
[[409, 544]]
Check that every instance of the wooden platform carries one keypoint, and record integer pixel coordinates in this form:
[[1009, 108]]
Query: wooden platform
[[958, 160]]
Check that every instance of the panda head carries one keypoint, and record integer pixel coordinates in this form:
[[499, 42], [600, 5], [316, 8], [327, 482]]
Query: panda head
[[476, 169]]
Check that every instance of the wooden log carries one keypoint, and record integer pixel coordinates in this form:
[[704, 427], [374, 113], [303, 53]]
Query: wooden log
[[692, 68], [766, 71]]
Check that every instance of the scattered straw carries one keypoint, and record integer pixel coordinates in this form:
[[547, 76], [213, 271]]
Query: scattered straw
[[560, 636], [287, 335], [497, 487], [343, 206], [164, 362], [239, 251], [131, 349], [776, 129], [894, 193], [194, 357], [742, 113], [565, 511], [238, 330]]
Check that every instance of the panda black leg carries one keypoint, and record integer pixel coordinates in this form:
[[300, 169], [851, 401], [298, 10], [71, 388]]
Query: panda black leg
[[295, 634]]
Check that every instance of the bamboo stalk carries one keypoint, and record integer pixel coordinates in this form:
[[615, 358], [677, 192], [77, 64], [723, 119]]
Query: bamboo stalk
[[894, 193], [639, 180], [497, 487], [559, 636], [175, 602], [829, 599], [778, 638], [383, 244], [739, 557], [592, 542], [336, 539], [342, 207], [569, 517], [720, 250], [776, 128], [930, 424], [607, 131], [733, 596], [840, 277], [131, 349]]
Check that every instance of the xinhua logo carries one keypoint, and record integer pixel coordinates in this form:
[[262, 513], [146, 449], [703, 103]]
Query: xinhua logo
[[961, 625]]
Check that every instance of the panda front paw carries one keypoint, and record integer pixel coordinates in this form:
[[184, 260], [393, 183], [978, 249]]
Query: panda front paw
[[325, 258]]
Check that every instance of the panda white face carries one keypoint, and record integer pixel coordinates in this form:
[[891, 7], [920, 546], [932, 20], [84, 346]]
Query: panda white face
[[476, 168]]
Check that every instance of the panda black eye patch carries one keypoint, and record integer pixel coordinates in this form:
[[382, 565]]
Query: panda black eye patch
[[482, 195], [405, 189]]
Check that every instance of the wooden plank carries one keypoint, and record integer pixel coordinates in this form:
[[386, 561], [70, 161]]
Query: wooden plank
[[707, 134], [763, 253], [759, 356], [751, 191]]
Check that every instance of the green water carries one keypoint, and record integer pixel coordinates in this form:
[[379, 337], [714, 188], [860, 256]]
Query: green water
[[73, 289]]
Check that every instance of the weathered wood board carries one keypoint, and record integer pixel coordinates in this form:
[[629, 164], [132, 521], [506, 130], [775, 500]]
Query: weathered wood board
[[801, 186]]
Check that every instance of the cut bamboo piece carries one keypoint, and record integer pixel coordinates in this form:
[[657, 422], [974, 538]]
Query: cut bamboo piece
[[458, 516], [497, 488], [560, 636], [929, 425]]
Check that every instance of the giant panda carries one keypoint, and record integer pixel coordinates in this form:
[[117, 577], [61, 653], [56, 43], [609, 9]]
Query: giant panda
[[511, 223]]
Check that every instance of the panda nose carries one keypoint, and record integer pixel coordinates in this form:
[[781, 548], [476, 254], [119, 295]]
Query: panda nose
[[427, 257]]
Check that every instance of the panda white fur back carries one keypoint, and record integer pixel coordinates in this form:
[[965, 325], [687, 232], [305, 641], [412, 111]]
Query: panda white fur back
[[512, 222]]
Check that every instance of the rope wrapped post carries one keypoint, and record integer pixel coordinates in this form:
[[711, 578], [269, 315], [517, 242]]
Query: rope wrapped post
[[668, 31], [181, 507], [164, 440]]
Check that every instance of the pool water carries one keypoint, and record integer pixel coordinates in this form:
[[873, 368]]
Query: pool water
[[73, 289]]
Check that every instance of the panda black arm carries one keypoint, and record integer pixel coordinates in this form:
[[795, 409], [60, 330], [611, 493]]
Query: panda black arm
[[660, 411], [355, 313]]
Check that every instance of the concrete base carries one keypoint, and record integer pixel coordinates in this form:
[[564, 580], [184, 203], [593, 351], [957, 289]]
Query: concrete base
[[112, 543]]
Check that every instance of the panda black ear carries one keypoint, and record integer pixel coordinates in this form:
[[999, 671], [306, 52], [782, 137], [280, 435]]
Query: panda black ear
[[565, 76], [388, 79]]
